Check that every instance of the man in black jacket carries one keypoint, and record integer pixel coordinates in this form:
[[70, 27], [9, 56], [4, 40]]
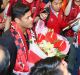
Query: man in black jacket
[[16, 38]]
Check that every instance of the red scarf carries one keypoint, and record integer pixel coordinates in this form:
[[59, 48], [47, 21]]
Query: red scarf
[[22, 49]]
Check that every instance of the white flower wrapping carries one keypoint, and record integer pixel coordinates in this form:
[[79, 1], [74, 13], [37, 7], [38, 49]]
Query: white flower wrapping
[[49, 43]]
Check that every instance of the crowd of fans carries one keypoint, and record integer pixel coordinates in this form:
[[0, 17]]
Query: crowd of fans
[[38, 36]]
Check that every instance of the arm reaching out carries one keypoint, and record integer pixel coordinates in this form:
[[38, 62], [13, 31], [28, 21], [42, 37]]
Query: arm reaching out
[[68, 8]]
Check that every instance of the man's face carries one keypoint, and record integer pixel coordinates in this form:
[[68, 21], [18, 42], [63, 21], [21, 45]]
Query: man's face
[[57, 4], [26, 21], [63, 68], [77, 2]]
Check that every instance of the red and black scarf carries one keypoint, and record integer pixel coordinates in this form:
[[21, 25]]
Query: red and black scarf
[[22, 49]]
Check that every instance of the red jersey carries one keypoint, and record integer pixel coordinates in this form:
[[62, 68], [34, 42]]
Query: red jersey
[[56, 22]]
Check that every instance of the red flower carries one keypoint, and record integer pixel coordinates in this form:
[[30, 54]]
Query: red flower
[[51, 37], [26, 68], [61, 45], [40, 38]]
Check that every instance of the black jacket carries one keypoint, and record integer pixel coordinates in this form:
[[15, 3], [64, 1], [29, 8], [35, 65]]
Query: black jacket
[[8, 41]]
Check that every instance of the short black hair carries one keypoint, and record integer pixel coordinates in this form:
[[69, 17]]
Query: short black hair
[[48, 66], [4, 58], [18, 9], [52, 1]]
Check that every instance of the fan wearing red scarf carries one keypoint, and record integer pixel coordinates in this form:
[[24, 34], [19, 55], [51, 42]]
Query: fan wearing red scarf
[[15, 39], [56, 17]]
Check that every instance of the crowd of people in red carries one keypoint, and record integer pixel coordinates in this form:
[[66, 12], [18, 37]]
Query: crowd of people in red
[[32, 30]]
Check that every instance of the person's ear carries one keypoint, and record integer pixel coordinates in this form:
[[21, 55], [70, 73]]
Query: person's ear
[[17, 20]]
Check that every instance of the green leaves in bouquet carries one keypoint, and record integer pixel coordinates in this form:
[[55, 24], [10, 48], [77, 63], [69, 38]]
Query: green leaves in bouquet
[[59, 54]]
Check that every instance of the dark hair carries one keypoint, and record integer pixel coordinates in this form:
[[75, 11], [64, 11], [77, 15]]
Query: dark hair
[[18, 9], [45, 1], [4, 58], [52, 1], [1, 2], [48, 66], [46, 10]]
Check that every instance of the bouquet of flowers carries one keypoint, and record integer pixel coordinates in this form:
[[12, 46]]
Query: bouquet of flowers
[[51, 43]]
